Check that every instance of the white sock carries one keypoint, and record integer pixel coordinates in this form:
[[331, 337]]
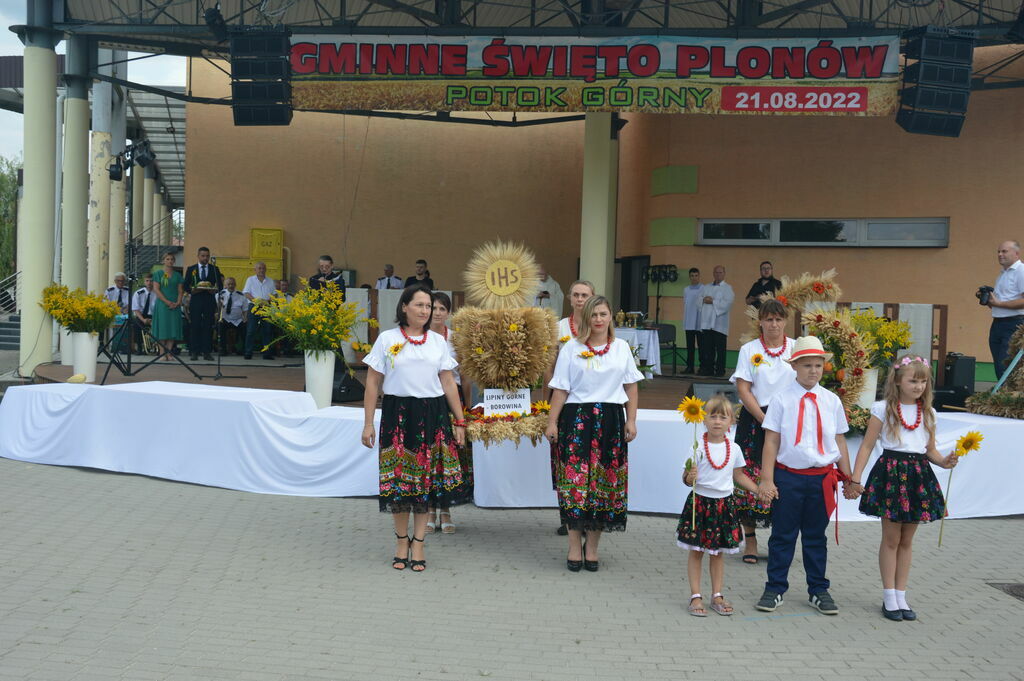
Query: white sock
[[901, 599], [889, 599]]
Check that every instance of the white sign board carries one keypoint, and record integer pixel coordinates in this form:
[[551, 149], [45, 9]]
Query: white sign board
[[498, 401]]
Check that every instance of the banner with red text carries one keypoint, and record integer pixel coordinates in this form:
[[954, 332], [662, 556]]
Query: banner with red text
[[652, 74]]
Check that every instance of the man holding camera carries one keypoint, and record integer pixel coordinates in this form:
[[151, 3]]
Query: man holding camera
[[1007, 302]]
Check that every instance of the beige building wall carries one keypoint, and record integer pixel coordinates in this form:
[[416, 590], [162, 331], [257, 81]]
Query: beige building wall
[[369, 190]]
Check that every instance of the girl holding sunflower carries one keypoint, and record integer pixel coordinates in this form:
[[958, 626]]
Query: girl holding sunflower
[[592, 420], [901, 489], [418, 448], [761, 371]]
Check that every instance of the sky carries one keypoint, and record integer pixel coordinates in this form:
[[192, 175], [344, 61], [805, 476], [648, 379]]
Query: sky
[[159, 70]]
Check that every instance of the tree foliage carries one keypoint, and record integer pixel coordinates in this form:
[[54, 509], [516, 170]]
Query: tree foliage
[[8, 214]]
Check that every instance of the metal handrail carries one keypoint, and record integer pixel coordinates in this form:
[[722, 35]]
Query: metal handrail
[[7, 284]]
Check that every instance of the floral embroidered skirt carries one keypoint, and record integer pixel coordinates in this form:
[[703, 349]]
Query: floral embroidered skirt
[[902, 488], [419, 458], [592, 466], [750, 438], [717, 527]]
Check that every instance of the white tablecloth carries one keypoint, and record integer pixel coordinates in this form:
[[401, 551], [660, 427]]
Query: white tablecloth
[[276, 442], [647, 341]]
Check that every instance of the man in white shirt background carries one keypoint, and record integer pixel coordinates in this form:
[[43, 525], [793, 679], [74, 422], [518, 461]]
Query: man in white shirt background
[[1007, 304], [142, 307], [259, 288], [119, 292], [389, 280], [232, 305], [549, 294], [693, 301], [714, 323]]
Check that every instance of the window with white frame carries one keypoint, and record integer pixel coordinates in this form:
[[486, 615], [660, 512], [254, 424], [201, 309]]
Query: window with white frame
[[840, 232]]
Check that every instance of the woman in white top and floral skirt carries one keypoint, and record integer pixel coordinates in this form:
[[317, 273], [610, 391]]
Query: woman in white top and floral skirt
[[419, 458], [593, 417], [761, 371]]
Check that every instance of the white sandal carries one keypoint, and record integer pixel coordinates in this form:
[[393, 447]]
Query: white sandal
[[447, 527], [432, 524], [697, 612]]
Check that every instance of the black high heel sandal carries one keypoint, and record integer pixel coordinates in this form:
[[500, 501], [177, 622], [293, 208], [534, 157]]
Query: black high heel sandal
[[573, 565], [421, 564], [401, 563], [590, 565]]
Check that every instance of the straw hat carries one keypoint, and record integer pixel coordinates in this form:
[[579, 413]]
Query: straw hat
[[808, 346]]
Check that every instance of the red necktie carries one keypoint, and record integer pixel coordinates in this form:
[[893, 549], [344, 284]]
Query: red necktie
[[800, 421]]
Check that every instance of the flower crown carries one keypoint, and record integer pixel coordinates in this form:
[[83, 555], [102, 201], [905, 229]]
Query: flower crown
[[910, 359]]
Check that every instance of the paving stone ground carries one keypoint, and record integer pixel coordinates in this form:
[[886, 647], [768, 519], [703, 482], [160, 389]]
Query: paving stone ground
[[106, 577]]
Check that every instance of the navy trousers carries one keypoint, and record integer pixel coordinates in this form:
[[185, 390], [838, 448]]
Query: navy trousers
[[999, 340], [799, 510]]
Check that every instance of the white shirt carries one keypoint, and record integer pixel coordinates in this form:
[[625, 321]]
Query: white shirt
[[139, 301], [389, 282], [693, 297], [717, 484], [260, 290], [451, 351], [783, 415], [121, 296], [564, 329], [598, 379], [771, 376], [915, 441], [555, 296], [415, 370], [1009, 285], [715, 315], [239, 303]]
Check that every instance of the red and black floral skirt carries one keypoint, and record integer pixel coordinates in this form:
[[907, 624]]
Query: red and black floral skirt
[[750, 438], [902, 487], [591, 470], [717, 527], [420, 466]]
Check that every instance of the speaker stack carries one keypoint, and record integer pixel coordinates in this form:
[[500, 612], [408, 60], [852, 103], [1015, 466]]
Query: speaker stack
[[261, 91], [958, 381], [936, 80]]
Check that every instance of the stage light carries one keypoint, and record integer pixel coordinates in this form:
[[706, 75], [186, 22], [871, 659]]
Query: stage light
[[115, 170], [1016, 32], [215, 21], [143, 155]]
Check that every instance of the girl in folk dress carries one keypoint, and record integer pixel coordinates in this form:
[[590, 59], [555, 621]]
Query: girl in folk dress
[[592, 420], [419, 458], [715, 527], [761, 371], [901, 488]]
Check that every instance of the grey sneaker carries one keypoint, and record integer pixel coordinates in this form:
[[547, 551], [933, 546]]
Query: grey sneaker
[[824, 603], [769, 601]]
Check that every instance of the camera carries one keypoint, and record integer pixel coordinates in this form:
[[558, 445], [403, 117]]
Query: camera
[[984, 293]]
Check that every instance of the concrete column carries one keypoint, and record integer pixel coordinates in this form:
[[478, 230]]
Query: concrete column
[[36, 223], [118, 127], [600, 187], [137, 202], [165, 220], [149, 179], [75, 204], [158, 216], [98, 236]]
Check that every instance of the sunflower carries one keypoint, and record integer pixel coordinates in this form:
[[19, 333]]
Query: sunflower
[[563, 339], [586, 354], [757, 360], [692, 409], [969, 443]]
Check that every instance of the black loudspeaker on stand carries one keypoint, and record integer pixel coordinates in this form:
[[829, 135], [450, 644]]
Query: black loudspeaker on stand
[[958, 382], [705, 391]]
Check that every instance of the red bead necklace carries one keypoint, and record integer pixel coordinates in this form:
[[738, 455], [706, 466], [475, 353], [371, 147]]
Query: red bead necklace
[[444, 332], [572, 327], [707, 452], [414, 342], [598, 353], [774, 354], [917, 423]]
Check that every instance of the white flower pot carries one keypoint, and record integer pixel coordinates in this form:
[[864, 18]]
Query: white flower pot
[[67, 353], [320, 377], [84, 348], [867, 394]]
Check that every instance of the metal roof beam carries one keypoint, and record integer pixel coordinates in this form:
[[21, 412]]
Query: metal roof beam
[[784, 12], [415, 12]]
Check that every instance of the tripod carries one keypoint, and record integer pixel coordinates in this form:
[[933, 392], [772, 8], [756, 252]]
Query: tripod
[[220, 350]]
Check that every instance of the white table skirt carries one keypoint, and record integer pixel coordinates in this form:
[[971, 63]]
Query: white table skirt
[[276, 442], [648, 342]]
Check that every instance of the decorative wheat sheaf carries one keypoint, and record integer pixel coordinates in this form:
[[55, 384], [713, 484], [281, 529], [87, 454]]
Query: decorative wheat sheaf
[[507, 349], [795, 294], [478, 271]]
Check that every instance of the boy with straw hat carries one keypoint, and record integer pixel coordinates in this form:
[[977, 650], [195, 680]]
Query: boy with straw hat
[[803, 444]]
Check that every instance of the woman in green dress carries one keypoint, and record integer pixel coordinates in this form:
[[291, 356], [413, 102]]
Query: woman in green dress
[[169, 289]]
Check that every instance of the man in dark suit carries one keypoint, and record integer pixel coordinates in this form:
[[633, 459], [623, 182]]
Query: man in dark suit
[[325, 273], [202, 282]]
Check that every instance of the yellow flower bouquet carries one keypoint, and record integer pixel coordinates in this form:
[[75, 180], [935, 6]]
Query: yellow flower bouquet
[[882, 337], [314, 320], [78, 311]]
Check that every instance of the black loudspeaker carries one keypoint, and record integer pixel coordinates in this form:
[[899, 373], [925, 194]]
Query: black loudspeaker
[[936, 81], [958, 380], [346, 388], [705, 391], [261, 91]]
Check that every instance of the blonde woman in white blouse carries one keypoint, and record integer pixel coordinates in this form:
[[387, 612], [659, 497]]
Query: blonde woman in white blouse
[[593, 417]]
